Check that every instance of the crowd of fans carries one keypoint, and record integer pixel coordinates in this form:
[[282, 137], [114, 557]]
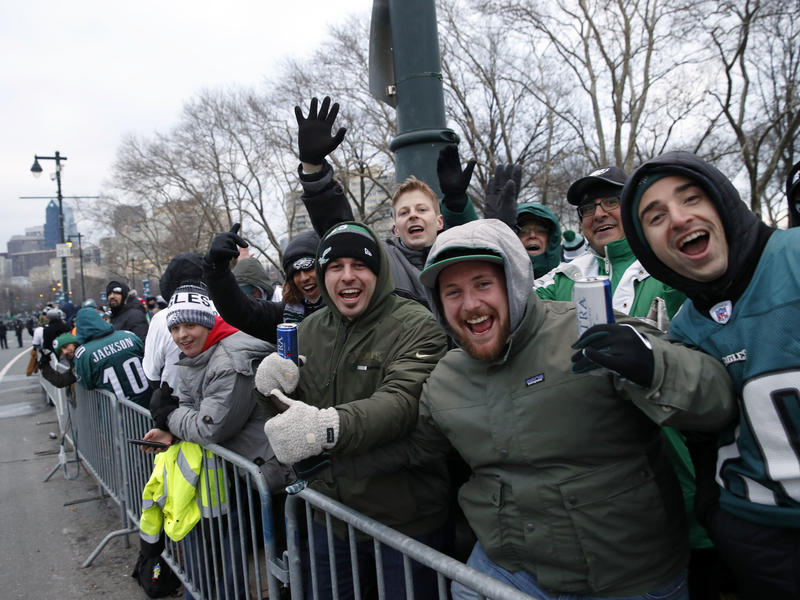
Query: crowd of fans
[[657, 456]]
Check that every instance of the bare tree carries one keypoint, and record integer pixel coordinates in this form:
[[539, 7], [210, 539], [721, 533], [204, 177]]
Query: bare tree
[[618, 62], [220, 165], [757, 45], [494, 111]]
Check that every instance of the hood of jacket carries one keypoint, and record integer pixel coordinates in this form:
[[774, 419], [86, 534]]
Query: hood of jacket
[[415, 257], [384, 286], [248, 271], [744, 232], [90, 325], [551, 258], [496, 236], [69, 310]]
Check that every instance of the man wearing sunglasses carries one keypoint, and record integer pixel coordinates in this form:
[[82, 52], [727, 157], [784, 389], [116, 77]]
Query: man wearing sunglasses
[[634, 292]]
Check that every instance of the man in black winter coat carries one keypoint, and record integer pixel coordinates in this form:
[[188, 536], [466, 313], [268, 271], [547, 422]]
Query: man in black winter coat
[[127, 313]]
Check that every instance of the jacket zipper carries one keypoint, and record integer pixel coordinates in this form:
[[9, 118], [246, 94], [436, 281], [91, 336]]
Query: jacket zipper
[[338, 350]]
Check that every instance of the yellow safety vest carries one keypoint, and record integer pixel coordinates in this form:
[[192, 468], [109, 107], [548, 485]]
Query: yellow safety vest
[[171, 498]]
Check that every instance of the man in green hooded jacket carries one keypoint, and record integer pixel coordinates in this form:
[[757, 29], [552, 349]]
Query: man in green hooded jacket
[[367, 355]]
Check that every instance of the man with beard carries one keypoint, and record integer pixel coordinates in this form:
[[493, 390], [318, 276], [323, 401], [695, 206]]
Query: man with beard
[[127, 313], [689, 227], [571, 491]]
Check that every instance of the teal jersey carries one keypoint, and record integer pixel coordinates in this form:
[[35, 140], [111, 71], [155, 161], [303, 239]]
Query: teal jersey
[[110, 360], [758, 464]]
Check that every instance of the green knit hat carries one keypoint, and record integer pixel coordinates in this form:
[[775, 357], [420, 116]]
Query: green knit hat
[[63, 340]]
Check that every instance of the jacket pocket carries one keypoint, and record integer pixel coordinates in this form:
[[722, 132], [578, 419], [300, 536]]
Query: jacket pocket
[[624, 527]]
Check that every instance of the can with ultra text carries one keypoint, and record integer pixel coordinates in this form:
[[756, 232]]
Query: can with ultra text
[[287, 341], [592, 298]]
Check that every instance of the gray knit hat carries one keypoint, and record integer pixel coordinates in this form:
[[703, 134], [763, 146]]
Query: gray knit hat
[[190, 304]]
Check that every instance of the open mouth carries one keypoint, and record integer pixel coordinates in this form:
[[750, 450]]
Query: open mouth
[[350, 295], [604, 228], [309, 288], [694, 244], [415, 229], [533, 247], [480, 325]]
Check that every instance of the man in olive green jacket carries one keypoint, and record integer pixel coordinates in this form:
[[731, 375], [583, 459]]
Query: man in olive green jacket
[[571, 491], [367, 355]]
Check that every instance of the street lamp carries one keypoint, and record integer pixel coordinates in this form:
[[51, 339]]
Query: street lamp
[[36, 169], [80, 255]]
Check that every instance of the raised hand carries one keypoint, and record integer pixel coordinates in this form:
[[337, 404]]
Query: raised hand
[[225, 247], [314, 139], [453, 181], [502, 192]]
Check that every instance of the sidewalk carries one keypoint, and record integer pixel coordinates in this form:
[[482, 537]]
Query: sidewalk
[[49, 529]]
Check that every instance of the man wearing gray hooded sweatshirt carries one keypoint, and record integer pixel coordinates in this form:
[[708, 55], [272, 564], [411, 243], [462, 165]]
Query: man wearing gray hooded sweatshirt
[[572, 491]]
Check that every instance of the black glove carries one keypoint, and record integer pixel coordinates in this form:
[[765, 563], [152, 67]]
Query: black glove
[[452, 180], [224, 248], [44, 358], [501, 194], [618, 348], [314, 138], [162, 403]]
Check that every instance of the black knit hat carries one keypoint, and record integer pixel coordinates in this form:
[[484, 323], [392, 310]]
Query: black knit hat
[[349, 240], [300, 251], [184, 267], [118, 287]]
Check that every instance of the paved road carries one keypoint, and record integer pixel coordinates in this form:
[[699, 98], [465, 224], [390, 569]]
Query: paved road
[[44, 534]]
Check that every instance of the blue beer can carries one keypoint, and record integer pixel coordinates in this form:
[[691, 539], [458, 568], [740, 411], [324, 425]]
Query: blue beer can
[[592, 298], [287, 341]]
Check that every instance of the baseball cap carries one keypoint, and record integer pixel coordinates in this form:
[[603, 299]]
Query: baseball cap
[[451, 256], [604, 177]]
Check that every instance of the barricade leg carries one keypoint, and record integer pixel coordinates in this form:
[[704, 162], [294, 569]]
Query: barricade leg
[[105, 541]]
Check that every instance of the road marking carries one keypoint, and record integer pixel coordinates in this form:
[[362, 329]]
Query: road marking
[[11, 362]]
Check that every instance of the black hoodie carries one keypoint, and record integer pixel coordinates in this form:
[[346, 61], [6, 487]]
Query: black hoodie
[[745, 234]]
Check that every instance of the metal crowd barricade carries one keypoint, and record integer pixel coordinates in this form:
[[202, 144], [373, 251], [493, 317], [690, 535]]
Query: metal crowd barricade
[[98, 446], [231, 552], [445, 567]]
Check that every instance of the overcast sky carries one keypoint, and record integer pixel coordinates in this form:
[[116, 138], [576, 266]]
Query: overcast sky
[[77, 76]]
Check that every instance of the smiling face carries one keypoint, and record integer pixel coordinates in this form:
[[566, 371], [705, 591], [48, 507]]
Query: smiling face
[[683, 228], [350, 283], [603, 227], [416, 221], [475, 305], [306, 282], [533, 233], [190, 337]]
